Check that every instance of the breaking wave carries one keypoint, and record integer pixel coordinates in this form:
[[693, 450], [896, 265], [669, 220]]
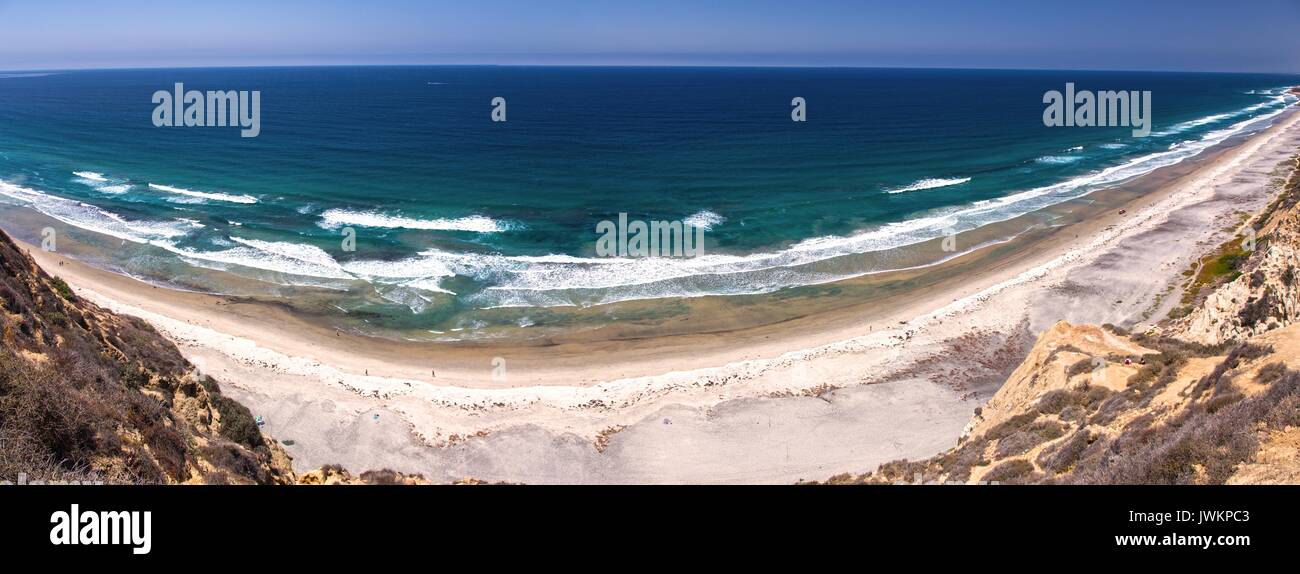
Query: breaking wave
[[204, 194], [335, 218], [930, 184]]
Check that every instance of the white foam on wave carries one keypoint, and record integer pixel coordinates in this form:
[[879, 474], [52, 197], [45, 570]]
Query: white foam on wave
[[90, 175], [101, 183], [704, 219], [96, 219], [561, 279], [1058, 159], [335, 218], [246, 199], [278, 256], [430, 284], [554, 279], [296, 251], [1275, 100], [1198, 122], [932, 183], [308, 261], [404, 270], [282, 257]]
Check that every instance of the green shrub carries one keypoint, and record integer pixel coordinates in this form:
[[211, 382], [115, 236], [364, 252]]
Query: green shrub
[[61, 287], [237, 422]]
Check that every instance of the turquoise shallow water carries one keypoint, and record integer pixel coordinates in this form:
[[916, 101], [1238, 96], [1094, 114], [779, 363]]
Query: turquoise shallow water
[[455, 214]]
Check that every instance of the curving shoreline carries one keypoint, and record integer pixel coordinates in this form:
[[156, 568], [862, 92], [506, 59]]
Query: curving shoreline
[[556, 401]]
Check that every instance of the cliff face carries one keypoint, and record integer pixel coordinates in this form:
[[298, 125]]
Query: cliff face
[[87, 395], [1210, 397], [1176, 413], [1264, 297]]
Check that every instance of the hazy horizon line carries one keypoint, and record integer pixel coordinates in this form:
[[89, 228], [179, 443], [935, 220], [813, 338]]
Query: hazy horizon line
[[631, 65]]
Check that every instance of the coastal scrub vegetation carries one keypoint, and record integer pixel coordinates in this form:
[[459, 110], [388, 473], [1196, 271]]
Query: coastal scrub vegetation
[[88, 395], [1089, 434], [237, 422], [1202, 445], [1220, 266]]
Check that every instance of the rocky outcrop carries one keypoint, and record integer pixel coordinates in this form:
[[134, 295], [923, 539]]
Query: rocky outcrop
[[1065, 357], [1265, 295]]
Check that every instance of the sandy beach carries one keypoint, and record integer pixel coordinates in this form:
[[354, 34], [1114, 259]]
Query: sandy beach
[[805, 398]]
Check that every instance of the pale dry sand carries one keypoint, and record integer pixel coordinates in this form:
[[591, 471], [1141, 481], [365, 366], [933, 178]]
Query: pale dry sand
[[803, 399]]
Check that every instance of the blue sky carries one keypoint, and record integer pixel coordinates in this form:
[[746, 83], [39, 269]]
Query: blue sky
[[1220, 35]]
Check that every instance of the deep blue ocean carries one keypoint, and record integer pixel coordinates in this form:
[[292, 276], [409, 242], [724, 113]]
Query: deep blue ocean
[[455, 213]]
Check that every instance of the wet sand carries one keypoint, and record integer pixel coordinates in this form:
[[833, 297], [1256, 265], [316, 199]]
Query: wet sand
[[841, 388]]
